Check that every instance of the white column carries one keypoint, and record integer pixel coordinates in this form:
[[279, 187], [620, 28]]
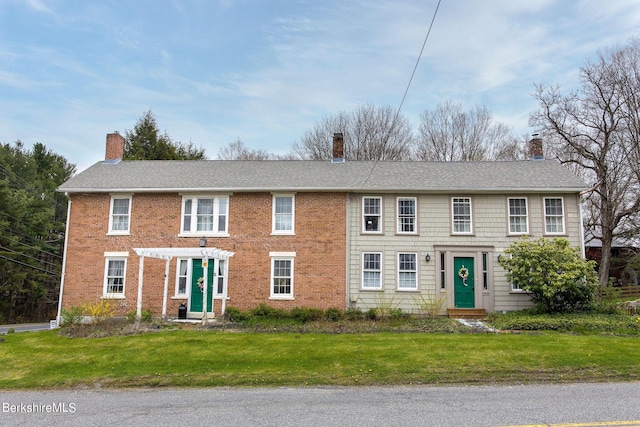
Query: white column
[[166, 289], [140, 273], [205, 273]]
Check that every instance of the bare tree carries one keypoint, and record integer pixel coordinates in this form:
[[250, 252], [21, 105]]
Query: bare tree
[[370, 133], [448, 133], [236, 150], [596, 128]]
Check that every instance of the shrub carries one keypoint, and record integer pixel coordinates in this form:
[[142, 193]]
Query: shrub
[[98, 312], [334, 314], [71, 317], [553, 273], [353, 314], [264, 310], [371, 314], [233, 314], [385, 305], [431, 305], [306, 314]]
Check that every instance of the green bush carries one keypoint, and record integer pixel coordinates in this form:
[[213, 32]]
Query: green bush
[[334, 314], [71, 317], [306, 314], [353, 314], [264, 310], [371, 314], [575, 323], [553, 273], [233, 314], [145, 315]]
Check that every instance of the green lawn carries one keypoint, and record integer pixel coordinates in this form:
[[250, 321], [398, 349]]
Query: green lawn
[[204, 358]]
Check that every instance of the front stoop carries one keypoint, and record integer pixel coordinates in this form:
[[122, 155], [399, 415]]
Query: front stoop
[[467, 313]]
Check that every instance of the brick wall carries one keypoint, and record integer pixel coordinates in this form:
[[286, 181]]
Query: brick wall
[[319, 243]]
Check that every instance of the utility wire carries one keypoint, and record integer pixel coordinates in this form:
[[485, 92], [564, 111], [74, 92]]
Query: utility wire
[[406, 91], [29, 256], [31, 266], [32, 247], [418, 60]]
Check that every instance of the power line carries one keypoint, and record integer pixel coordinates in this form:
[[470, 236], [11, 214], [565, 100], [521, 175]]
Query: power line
[[31, 266], [28, 256], [32, 247], [406, 91], [418, 60]]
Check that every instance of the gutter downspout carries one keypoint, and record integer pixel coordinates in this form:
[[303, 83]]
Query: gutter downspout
[[64, 260]]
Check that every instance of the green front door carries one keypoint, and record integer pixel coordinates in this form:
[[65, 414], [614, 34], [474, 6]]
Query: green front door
[[463, 281], [196, 293]]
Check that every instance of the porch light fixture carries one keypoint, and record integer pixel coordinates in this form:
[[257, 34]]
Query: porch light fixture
[[203, 242], [427, 258], [499, 258]]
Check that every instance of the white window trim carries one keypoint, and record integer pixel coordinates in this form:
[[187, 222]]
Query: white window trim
[[415, 215], [401, 289], [362, 271], [453, 230], [114, 256], [293, 215], [380, 224], [544, 213], [526, 205], [282, 256], [111, 231], [216, 213]]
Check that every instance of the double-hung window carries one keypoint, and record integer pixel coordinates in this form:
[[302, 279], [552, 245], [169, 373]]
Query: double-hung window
[[407, 215], [283, 214], [115, 274], [518, 217], [554, 215], [407, 271], [371, 214], [120, 214], [461, 215], [371, 270], [282, 275], [182, 276], [205, 215]]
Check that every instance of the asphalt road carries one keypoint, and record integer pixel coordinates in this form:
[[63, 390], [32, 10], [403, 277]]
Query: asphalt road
[[24, 327], [607, 404]]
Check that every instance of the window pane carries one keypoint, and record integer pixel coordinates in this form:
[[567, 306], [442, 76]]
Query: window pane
[[204, 215], [115, 276], [371, 274], [120, 206], [407, 274], [283, 213], [281, 277], [461, 215], [554, 216], [406, 215], [186, 221]]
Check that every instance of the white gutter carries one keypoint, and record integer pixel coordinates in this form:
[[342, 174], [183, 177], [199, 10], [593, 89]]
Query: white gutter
[[64, 260]]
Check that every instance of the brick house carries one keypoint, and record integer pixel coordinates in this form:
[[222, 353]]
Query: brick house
[[304, 233]]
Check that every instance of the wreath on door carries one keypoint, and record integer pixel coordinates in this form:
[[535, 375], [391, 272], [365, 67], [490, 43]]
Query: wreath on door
[[201, 284], [463, 273]]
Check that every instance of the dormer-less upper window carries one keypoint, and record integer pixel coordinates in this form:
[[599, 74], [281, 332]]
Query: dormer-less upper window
[[120, 214]]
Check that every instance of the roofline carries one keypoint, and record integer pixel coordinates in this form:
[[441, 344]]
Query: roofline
[[319, 189]]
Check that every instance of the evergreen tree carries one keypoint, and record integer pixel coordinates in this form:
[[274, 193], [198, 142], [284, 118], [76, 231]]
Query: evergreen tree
[[145, 142]]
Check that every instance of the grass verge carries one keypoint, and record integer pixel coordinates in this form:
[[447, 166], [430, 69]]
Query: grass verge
[[206, 358]]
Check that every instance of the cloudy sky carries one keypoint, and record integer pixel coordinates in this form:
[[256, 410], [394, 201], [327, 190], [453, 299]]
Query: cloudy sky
[[264, 71]]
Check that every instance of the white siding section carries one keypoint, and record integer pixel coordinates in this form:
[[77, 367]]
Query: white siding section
[[491, 236]]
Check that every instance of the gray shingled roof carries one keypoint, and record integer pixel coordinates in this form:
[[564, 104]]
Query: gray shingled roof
[[292, 175]]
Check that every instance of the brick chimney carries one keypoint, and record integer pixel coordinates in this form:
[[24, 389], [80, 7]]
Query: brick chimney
[[115, 147], [535, 147], [338, 148]]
